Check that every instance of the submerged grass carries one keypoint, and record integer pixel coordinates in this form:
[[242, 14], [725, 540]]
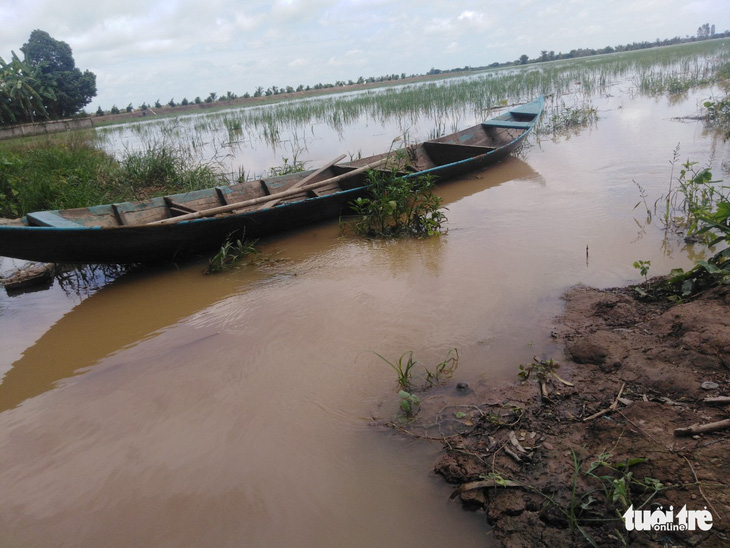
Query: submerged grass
[[229, 254], [450, 103]]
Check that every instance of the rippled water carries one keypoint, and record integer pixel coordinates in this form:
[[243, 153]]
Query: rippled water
[[170, 408]]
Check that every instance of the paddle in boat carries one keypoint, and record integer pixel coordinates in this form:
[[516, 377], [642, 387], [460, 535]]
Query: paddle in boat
[[172, 227]]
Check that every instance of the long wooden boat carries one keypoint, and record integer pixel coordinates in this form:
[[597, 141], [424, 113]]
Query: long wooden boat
[[172, 227]]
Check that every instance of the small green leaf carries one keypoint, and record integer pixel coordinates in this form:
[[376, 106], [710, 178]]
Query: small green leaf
[[711, 268]]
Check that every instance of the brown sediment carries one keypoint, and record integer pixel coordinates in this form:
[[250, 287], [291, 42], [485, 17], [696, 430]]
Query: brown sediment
[[549, 470]]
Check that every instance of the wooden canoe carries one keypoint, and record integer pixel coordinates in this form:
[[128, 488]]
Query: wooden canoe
[[175, 226]]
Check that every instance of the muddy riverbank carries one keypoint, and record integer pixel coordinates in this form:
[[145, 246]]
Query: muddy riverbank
[[560, 468]]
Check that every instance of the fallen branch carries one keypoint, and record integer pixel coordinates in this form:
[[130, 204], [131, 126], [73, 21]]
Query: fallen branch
[[483, 484], [613, 406], [718, 400], [702, 428]]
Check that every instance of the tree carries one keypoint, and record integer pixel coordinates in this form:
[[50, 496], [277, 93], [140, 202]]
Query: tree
[[72, 89], [22, 94]]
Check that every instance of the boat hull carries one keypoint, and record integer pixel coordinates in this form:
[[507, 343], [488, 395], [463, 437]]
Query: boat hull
[[160, 242]]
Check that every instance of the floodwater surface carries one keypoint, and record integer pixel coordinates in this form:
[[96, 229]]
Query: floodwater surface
[[170, 408]]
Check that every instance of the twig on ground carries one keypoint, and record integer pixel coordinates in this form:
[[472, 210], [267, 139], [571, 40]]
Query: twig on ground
[[699, 486], [613, 406], [702, 428], [718, 400]]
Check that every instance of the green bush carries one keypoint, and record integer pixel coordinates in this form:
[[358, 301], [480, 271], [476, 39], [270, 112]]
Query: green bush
[[398, 206]]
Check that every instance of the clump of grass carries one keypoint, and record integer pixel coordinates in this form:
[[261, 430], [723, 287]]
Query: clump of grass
[[52, 174], [563, 118], [162, 169], [231, 251], [58, 174], [398, 206], [405, 368]]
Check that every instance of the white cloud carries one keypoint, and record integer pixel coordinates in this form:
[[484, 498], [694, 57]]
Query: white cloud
[[474, 19], [144, 49]]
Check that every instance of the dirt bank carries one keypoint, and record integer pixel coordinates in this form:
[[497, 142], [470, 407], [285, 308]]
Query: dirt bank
[[560, 469]]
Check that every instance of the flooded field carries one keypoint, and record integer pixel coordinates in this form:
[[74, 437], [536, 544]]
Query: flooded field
[[170, 408]]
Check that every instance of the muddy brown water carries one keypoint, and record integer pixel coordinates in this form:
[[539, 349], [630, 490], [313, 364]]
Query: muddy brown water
[[169, 408]]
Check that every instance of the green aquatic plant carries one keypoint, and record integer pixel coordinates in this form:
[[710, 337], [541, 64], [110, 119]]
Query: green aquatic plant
[[443, 369], [409, 403], [403, 368], [398, 206], [230, 252]]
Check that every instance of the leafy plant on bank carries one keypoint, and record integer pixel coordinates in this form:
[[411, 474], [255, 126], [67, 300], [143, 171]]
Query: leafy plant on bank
[[398, 206], [543, 371], [643, 268], [618, 487], [698, 206]]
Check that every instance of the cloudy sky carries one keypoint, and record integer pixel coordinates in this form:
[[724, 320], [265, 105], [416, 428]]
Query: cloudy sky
[[145, 50]]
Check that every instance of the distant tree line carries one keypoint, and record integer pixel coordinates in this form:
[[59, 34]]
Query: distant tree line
[[258, 92], [44, 84], [704, 32]]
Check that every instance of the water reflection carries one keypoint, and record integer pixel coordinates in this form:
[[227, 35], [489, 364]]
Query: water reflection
[[123, 310], [123, 313]]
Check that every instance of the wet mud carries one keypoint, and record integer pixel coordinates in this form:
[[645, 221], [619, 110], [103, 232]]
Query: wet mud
[[558, 459]]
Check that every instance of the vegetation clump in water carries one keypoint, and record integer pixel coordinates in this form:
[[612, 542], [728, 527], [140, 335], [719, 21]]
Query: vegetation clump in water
[[399, 206], [405, 368], [699, 207], [229, 254]]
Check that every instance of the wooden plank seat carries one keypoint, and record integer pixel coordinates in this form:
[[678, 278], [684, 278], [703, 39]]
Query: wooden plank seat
[[176, 208], [50, 219], [507, 124], [327, 189], [221, 192], [119, 215]]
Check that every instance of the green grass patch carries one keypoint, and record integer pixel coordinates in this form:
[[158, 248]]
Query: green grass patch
[[65, 173]]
